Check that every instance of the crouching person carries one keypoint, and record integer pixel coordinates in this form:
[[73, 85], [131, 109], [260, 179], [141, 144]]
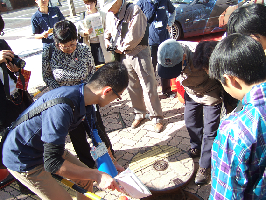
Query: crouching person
[[36, 148]]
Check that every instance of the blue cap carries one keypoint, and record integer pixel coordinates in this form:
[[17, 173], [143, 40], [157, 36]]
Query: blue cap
[[170, 56]]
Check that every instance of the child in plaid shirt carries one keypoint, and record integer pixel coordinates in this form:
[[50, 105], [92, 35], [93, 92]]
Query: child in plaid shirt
[[238, 152]]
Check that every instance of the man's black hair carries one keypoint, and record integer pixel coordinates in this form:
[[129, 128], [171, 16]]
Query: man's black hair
[[64, 31], [203, 53], [240, 56], [113, 74], [247, 20]]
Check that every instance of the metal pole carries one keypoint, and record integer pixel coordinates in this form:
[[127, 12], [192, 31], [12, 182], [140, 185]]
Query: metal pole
[[71, 8]]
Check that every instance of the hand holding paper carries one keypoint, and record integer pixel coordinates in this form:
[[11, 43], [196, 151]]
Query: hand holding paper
[[131, 185]]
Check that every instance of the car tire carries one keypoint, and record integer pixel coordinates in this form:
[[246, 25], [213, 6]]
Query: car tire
[[176, 31]]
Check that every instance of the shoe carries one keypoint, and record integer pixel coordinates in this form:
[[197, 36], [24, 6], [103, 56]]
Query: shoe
[[8, 180], [158, 127], [169, 94], [194, 152], [202, 176], [136, 123]]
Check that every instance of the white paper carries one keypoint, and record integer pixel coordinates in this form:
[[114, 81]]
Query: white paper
[[94, 21], [131, 185]]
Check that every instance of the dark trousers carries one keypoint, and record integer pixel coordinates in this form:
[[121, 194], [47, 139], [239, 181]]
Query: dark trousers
[[97, 53], [80, 144], [202, 122], [166, 87]]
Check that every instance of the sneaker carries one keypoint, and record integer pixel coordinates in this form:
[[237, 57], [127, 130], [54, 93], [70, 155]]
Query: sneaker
[[194, 152], [202, 176]]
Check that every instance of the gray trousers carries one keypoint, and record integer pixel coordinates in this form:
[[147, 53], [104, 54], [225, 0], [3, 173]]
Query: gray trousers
[[142, 86]]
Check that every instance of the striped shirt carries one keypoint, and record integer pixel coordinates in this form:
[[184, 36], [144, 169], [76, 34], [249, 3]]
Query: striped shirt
[[239, 151]]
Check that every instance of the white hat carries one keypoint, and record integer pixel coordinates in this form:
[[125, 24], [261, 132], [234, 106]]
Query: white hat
[[105, 5]]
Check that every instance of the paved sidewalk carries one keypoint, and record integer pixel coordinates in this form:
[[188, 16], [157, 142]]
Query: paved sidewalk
[[127, 142]]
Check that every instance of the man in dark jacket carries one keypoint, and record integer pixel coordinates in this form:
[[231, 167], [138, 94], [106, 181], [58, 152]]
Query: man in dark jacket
[[161, 16]]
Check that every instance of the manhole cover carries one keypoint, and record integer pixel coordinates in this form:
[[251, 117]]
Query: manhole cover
[[160, 165]]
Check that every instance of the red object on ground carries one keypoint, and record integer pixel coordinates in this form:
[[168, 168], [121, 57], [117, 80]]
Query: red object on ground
[[179, 89], [123, 198], [3, 174]]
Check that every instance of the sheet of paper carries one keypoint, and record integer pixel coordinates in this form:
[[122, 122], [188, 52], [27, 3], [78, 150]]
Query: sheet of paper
[[131, 184], [94, 21]]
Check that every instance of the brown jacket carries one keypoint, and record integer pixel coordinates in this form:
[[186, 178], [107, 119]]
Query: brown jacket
[[197, 83], [137, 23]]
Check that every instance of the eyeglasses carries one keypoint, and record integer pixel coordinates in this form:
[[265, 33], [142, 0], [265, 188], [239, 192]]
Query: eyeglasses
[[68, 47], [119, 97]]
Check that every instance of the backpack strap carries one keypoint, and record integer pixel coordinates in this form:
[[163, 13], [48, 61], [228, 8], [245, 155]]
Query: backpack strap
[[42, 108]]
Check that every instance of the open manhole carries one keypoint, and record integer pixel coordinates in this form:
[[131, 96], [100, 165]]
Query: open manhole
[[160, 165]]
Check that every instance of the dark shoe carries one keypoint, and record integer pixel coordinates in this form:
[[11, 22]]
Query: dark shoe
[[136, 123], [194, 152], [158, 127], [8, 180], [202, 176], [169, 94]]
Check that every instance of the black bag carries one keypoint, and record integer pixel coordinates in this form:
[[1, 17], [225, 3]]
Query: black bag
[[29, 115]]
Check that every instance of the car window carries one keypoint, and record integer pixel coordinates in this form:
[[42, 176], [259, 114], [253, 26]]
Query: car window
[[181, 1]]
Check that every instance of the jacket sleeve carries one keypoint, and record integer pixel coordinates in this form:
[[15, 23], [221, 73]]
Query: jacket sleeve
[[137, 23], [47, 72]]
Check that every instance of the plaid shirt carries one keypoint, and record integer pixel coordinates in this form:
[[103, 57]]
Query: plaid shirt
[[239, 151]]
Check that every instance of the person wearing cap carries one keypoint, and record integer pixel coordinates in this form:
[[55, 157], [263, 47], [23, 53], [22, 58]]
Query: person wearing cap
[[203, 96], [161, 16], [131, 43]]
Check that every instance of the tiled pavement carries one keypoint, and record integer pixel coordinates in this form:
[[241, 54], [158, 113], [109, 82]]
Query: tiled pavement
[[128, 142]]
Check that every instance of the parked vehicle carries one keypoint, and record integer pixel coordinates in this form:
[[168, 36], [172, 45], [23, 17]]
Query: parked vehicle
[[199, 17]]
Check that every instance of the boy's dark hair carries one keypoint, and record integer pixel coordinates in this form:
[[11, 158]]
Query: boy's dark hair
[[240, 56], [248, 20], [113, 74], [203, 53], [64, 31]]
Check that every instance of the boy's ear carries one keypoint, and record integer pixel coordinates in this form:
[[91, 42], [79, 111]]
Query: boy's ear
[[106, 90], [232, 81]]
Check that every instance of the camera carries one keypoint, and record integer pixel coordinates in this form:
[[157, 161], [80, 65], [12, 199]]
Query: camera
[[111, 48], [18, 62]]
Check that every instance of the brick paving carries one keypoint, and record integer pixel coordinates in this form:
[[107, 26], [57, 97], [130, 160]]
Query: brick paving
[[128, 142]]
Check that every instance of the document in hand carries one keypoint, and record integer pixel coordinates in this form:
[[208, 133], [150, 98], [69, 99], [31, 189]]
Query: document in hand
[[131, 185], [94, 21]]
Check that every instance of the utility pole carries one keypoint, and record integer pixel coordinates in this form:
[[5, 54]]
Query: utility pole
[[71, 8]]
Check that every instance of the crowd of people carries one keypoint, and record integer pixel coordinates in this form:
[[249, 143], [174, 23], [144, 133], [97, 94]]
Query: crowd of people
[[229, 73]]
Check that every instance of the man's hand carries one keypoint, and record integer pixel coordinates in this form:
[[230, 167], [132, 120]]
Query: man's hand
[[118, 167], [117, 51], [45, 34], [168, 28], [11, 67], [6, 56], [105, 181]]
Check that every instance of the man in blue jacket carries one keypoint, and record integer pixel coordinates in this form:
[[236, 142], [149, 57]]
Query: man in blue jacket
[[36, 147], [161, 16], [43, 21]]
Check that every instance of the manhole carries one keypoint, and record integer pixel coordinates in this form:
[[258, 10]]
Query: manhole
[[160, 165]]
